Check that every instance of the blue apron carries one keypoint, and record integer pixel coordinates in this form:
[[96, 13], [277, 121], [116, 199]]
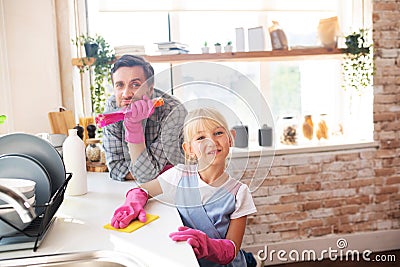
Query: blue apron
[[213, 217]]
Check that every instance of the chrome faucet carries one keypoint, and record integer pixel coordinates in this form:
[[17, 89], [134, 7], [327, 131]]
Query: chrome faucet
[[19, 203]]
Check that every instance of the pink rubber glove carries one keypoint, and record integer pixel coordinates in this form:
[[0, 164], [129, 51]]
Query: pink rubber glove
[[136, 112], [135, 200], [221, 251]]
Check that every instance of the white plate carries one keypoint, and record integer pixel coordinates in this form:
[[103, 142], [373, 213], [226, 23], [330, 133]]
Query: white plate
[[39, 149], [32, 200], [9, 214], [25, 167], [26, 187]]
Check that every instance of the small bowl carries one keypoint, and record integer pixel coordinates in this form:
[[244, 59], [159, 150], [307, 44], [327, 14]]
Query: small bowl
[[57, 140]]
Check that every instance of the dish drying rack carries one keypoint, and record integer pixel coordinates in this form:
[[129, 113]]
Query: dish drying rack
[[36, 230]]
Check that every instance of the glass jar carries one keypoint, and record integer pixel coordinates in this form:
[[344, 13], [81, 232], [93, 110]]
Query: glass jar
[[288, 130], [93, 149], [322, 129], [308, 127]]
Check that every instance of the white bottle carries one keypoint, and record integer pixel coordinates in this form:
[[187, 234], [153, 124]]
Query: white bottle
[[74, 157]]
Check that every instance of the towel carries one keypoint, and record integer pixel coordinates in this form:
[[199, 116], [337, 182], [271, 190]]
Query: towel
[[134, 225]]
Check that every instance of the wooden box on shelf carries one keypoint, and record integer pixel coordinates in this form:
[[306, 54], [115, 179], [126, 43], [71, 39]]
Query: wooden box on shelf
[[96, 166]]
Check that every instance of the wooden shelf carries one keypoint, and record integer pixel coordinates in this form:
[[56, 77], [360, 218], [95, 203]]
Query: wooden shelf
[[79, 61], [276, 55]]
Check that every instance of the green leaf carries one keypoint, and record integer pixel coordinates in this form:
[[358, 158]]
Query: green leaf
[[358, 67], [101, 69], [2, 118]]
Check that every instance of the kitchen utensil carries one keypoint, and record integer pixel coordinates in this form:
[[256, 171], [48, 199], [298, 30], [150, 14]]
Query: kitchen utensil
[[39, 149], [25, 167], [113, 117], [61, 121], [84, 122]]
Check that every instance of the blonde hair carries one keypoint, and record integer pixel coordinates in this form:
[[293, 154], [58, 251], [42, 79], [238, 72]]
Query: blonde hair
[[203, 118]]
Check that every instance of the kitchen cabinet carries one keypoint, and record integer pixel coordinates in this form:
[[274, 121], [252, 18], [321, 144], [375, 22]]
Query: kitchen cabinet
[[276, 55], [79, 227]]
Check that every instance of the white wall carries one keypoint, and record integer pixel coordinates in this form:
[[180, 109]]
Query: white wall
[[29, 72]]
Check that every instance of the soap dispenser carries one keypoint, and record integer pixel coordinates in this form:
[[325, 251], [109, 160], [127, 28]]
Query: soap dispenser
[[74, 157]]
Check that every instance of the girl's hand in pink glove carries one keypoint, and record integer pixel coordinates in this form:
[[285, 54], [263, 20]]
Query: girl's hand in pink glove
[[221, 251], [136, 199], [134, 115], [196, 238]]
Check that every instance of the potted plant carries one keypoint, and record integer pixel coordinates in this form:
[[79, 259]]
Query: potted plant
[[217, 47], [205, 49], [89, 43], [358, 67], [101, 67], [228, 47]]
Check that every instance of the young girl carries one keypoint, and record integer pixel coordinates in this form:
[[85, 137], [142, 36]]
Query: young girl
[[213, 206]]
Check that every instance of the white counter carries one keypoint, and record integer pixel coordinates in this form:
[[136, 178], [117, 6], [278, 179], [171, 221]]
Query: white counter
[[79, 227]]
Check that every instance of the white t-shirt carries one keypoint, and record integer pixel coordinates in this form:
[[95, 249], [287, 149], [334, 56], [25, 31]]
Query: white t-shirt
[[169, 181]]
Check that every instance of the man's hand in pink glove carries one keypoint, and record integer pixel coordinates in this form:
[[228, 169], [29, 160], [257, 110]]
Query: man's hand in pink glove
[[135, 113], [135, 200], [221, 251]]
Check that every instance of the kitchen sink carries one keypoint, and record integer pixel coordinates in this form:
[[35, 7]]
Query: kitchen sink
[[102, 258]]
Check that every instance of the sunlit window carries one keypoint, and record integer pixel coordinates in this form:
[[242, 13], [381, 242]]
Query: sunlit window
[[291, 88]]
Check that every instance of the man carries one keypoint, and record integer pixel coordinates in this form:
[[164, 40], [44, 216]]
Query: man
[[149, 139]]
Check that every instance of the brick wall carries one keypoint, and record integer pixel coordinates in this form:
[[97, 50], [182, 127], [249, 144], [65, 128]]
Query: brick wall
[[317, 194]]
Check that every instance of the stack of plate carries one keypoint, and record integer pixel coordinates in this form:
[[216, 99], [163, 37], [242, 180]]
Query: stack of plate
[[26, 188], [29, 157]]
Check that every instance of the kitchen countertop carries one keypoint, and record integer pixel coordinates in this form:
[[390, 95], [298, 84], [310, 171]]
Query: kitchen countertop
[[79, 227]]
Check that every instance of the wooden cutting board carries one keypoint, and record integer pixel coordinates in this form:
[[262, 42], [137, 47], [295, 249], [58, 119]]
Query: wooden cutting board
[[61, 121], [96, 167]]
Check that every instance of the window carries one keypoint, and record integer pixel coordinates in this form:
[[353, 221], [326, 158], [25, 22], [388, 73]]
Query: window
[[295, 88]]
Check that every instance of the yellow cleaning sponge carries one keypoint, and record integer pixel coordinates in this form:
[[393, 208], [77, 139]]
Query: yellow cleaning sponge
[[133, 226]]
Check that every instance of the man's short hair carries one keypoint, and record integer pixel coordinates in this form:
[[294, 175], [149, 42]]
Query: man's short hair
[[132, 61]]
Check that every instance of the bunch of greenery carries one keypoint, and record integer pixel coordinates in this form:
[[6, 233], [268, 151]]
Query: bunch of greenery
[[2, 118], [358, 65], [104, 57], [102, 69]]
